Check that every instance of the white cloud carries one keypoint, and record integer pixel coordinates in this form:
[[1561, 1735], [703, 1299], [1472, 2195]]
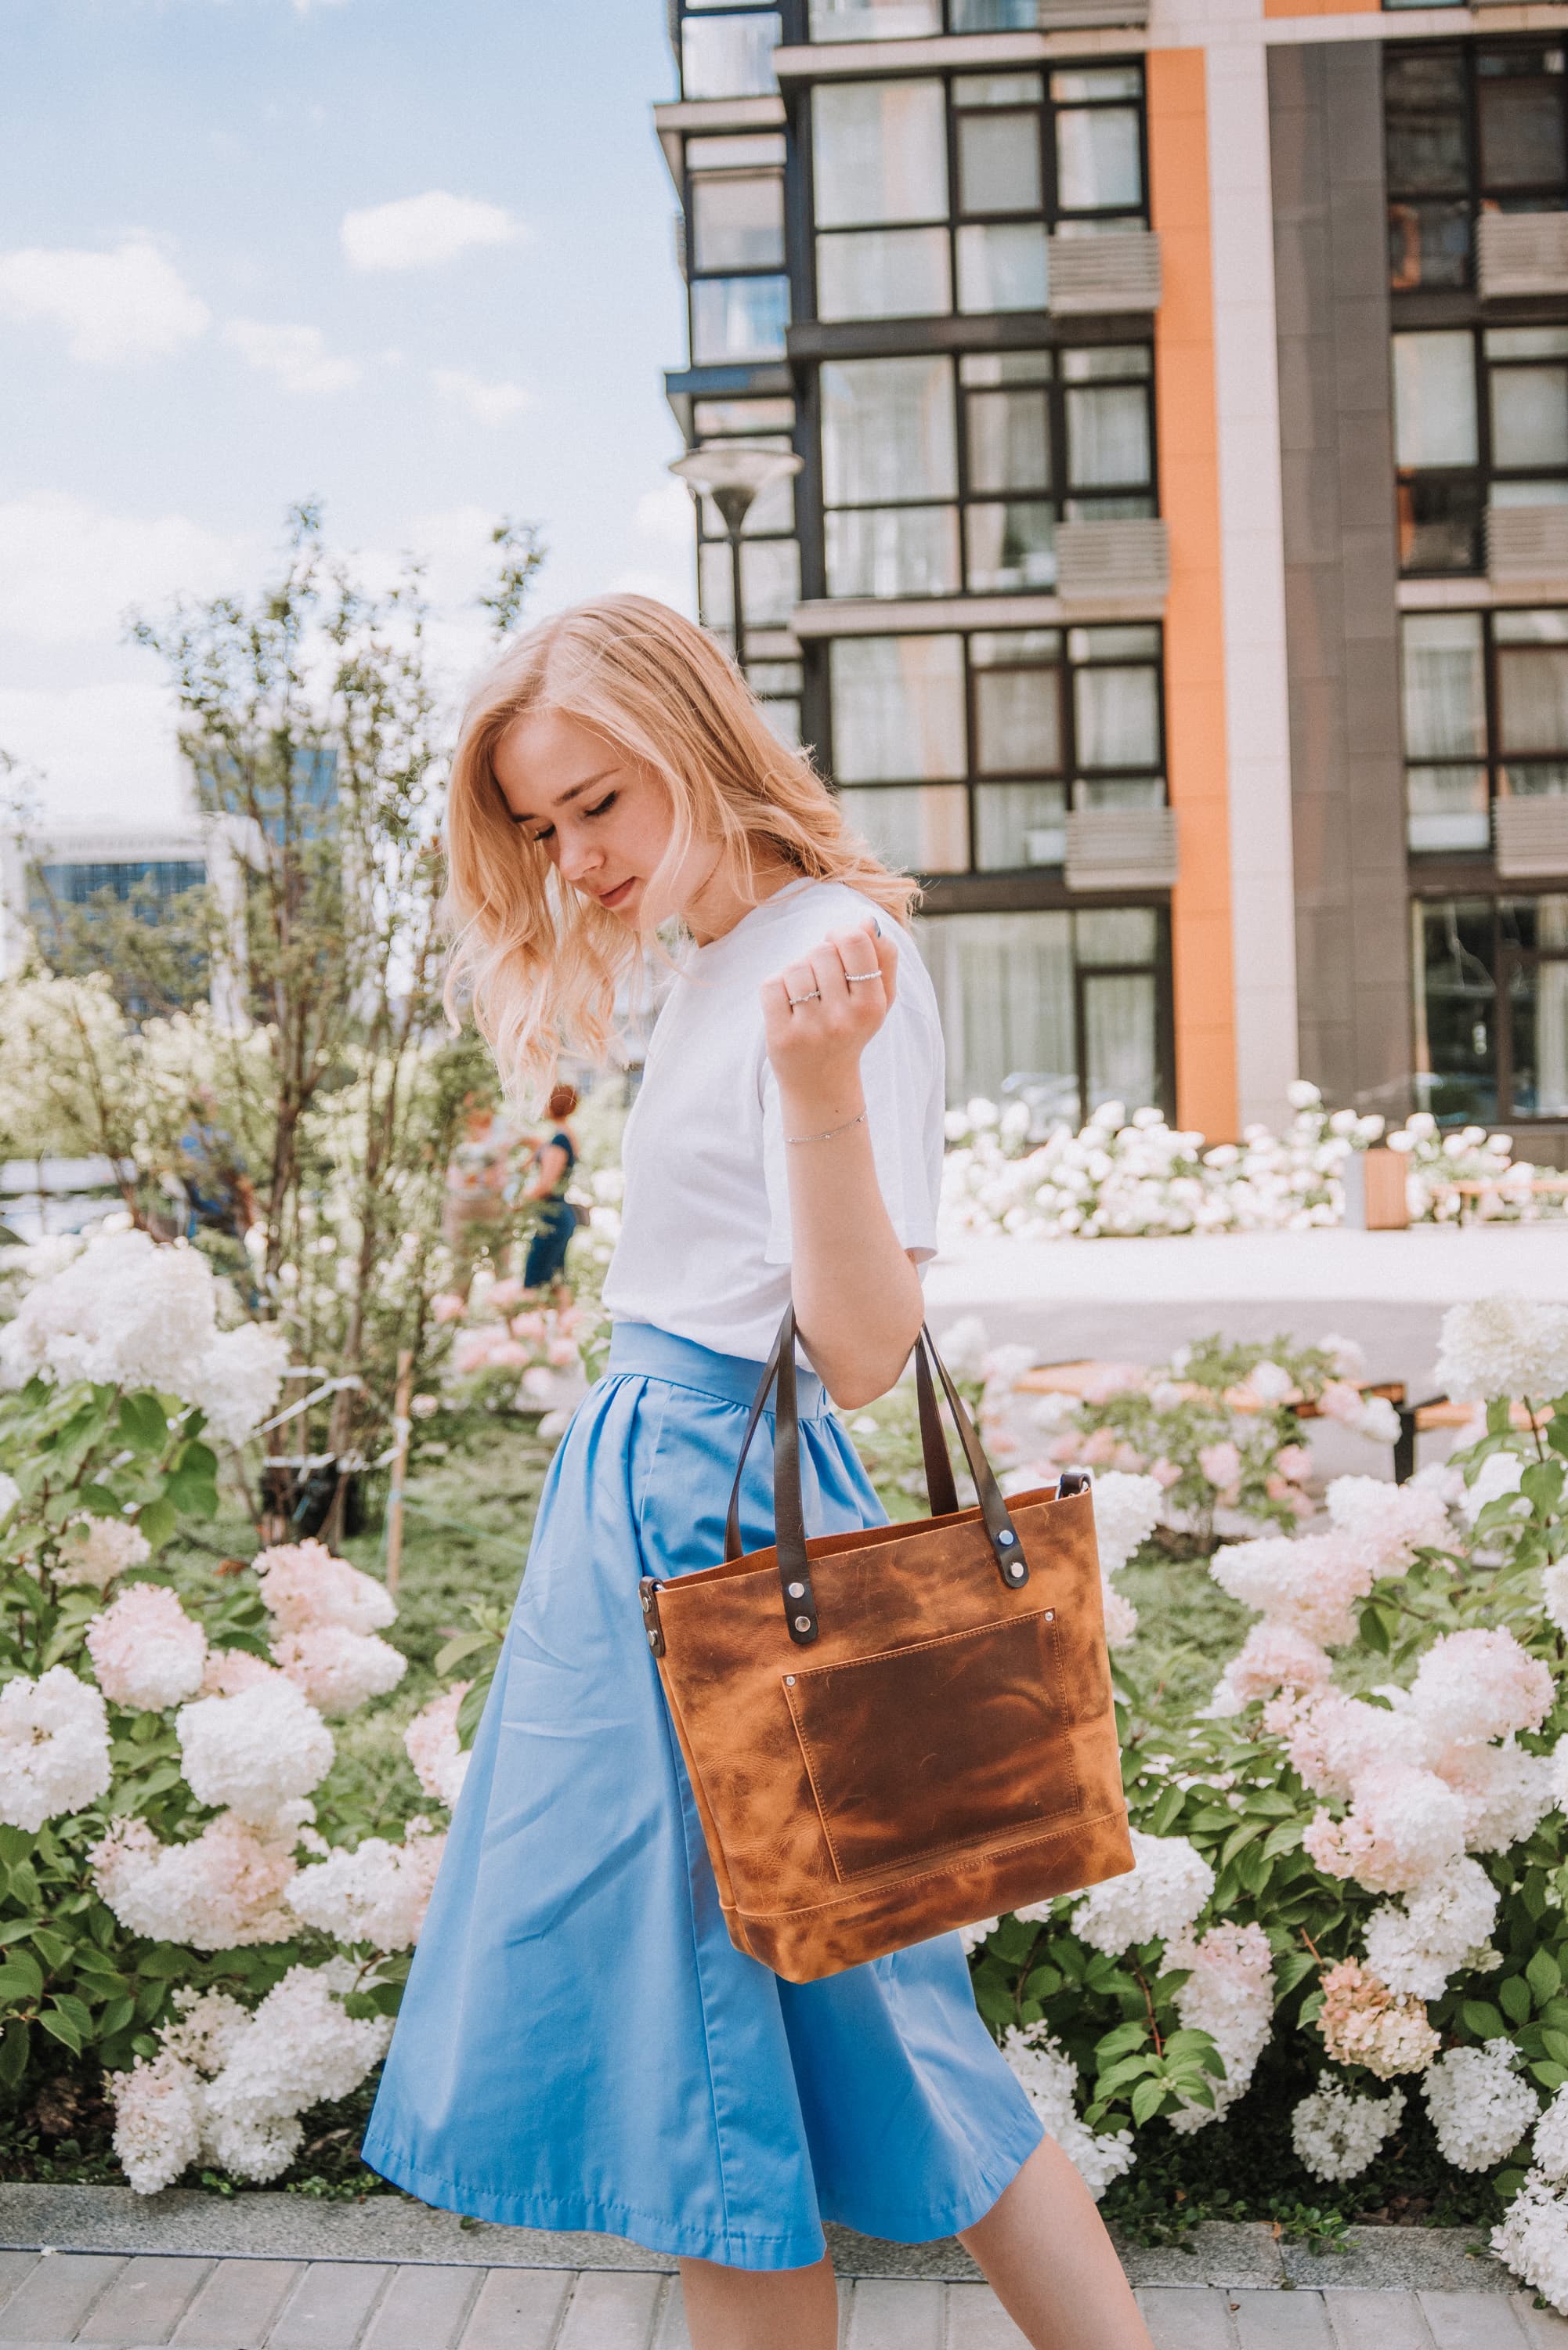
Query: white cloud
[[664, 515], [420, 231], [297, 356], [68, 569], [127, 305], [106, 752], [492, 403]]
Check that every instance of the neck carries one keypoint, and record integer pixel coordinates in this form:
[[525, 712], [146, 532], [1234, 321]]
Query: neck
[[717, 905]]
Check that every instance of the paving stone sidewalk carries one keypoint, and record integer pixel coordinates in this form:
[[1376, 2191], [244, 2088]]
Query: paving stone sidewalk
[[276, 2272], [132, 2302]]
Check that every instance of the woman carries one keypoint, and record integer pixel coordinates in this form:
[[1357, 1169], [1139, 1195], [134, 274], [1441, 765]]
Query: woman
[[581, 2045], [475, 1215], [551, 1236]]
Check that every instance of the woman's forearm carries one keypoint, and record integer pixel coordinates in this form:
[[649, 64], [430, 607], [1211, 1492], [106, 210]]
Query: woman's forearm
[[857, 1298]]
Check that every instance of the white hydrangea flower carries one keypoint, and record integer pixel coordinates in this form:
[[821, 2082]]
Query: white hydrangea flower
[[1168, 1885], [1474, 1686], [1337, 2133], [54, 1748], [1479, 2107], [1388, 1522], [302, 1585], [1506, 1792], [146, 1651], [377, 1894], [1533, 2239], [1508, 1345], [157, 2121], [1273, 1657], [256, 1752], [237, 1381], [1416, 1945], [1499, 1474], [301, 2050], [971, 1937], [222, 1891], [441, 1764], [1230, 1994], [93, 1551], [1549, 2144], [1554, 1592], [1404, 1826], [1050, 2079], [10, 1495], [337, 1669], [1126, 1511]]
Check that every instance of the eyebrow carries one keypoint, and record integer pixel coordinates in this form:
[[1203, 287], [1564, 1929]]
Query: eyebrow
[[575, 793]]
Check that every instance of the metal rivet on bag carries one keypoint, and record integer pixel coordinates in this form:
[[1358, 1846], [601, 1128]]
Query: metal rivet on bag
[[1015, 1572], [797, 1591], [1050, 1614], [653, 1640], [789, 1680], [803, 1622], [1006, 1538]]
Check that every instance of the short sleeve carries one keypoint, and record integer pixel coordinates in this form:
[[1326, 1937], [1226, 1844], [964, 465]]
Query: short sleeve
[[901, 1075]]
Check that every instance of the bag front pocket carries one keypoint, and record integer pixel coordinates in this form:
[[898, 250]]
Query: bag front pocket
[[950, 1741]]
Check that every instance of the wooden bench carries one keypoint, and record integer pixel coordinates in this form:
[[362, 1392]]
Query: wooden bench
[[1477, 1189]]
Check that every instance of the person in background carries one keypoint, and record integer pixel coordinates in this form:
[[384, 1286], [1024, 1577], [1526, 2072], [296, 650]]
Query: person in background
[[476, 1211], [552, 1236]]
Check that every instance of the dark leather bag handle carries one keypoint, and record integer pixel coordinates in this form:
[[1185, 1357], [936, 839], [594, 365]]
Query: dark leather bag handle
[[789, 1514]]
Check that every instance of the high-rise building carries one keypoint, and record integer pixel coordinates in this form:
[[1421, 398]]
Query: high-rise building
[[1178, 575]]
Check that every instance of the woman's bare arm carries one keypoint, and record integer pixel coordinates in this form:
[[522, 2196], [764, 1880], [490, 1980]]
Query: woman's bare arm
[[858, 1297]]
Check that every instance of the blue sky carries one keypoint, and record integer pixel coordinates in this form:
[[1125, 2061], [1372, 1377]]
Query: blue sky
[[412, 257]]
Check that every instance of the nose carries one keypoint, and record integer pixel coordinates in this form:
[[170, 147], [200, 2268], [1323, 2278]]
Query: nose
[[578, 857]]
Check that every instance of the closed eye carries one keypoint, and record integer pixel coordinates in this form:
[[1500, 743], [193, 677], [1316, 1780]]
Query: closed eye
[[602, 807]]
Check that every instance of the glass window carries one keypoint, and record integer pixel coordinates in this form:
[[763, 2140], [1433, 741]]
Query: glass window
[[728, 56], [922, 826], [878, 152], [893, 551], [897, 708], [994, 15], [1002, 266], [1445, 686], [1020, 825], [1519, 113], [1099, 159], [1004, 987], [1534, 966], [1529, 415], [893, 272], [1121, 1041], [1009, 440], [1435, 399], [740, 152], [770, 583], [1456, 1004], [874, 20], [737, 223], [738, 318], [1018, 711], [1098, 82], [999, 164], [746, 419], [1533, 699], [1108, 435], [1118, 934], [1012, 546], [888, 430], [1117, 717]]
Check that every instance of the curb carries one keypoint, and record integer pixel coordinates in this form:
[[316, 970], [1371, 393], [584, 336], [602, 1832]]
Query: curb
[[183, 2222]]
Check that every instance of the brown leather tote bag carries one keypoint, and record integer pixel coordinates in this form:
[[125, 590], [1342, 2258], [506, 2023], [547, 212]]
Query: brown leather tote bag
[[900, 1730]]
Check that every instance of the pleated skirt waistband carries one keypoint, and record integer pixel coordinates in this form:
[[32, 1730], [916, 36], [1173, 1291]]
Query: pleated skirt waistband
[[642, 1348]]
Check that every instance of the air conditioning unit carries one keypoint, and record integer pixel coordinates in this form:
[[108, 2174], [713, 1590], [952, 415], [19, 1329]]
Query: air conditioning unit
[[1122, 849], [1527, 546], [1126, 557], [1117, 271], [1530, 837]]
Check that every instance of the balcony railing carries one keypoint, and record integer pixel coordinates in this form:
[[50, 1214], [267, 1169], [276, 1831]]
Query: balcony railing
[[1117, 271], [1527, 546], [1530, 837], [1123, 848], [1522, 253], [1124, 557]]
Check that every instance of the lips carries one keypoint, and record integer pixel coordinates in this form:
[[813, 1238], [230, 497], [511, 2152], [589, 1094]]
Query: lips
[[618, 895]]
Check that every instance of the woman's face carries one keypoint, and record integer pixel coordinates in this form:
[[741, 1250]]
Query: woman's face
[[602, 820]]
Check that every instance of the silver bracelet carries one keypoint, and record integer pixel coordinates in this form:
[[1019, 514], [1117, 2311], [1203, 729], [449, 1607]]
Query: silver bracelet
[[831, 1131]]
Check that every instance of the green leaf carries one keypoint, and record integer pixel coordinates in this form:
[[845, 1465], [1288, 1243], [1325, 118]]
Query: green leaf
[[1239, 1837], [1374, 1630], [1544, 1977], [142, 1423], [1045, 1982], [191, 1493], [14, 2042], [1289, 1969], [1550, 2077], [1119, 2039], [1287, 1837], [60, 2027], [16, 1845], [20, 1980], [53, 1948], [462, 1645], [1555, 2044], [1146, 2101], [76, 2010], [1166, 1811], [158, 1520], [1513, 1998], [116, 2016], [164, 1958]]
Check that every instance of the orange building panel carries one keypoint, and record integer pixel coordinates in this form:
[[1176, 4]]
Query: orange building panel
[[1203, 976]]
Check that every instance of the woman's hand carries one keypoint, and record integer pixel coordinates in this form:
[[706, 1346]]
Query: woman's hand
[[820, 1013]]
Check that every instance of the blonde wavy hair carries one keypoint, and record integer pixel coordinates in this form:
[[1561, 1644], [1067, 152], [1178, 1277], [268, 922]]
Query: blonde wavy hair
[[539, 963]]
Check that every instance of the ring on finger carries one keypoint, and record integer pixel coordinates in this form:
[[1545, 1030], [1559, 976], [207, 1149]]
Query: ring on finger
[[857, 978], [812, 995]]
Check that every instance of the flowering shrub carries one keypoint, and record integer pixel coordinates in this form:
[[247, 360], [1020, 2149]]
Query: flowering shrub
[[507, 1355], [1355, 1860], [1120, 1176], [169, 1909], [1217, 1428]]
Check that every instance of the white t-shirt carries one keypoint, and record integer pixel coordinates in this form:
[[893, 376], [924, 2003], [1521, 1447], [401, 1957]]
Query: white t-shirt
[[704, 1248]]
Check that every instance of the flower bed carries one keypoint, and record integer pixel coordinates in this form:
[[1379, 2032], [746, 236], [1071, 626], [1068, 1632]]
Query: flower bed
[[1124, 1177]]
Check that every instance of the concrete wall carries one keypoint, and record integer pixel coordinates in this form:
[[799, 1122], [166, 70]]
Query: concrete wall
[[1340, 571]]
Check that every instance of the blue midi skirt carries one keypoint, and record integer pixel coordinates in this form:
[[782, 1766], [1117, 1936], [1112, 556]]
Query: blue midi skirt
[[581, 2045]]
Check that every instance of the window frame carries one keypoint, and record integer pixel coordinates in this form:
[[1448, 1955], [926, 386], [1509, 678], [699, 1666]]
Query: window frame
[[1049, 217], [1495, 759], [1477, 193], [1068, 770], [695, 274], [1485, 474], [685, 12], [1505, 958]]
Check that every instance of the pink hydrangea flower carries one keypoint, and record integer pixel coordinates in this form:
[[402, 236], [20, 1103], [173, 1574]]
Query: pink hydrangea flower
[[145, 1650]]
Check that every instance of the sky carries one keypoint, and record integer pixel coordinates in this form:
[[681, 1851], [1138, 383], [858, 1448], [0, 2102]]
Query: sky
[[411, 257]]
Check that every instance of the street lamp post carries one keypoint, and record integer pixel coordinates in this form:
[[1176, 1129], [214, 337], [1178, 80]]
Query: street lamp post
[[733, 475]]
